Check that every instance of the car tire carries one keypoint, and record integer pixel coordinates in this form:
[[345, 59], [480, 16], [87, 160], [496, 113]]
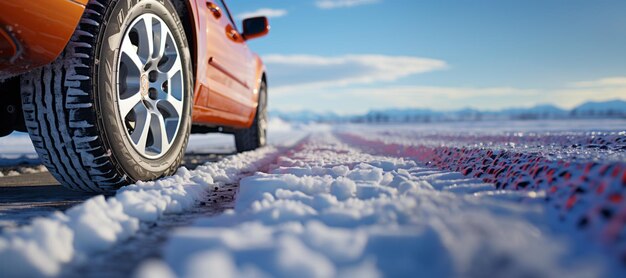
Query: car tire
[[74, 107], [256, 135]]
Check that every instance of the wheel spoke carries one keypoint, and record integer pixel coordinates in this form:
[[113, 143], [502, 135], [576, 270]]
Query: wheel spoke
[[173, 98], [126, 105], [159, 133], [177, 104], [171, 105], [176, 68], [146, 38], [173, 78], [161, 34], [142, 128], [130, 51]]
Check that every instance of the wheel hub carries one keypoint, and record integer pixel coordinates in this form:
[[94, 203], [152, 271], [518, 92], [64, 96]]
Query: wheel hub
[[145, 85]]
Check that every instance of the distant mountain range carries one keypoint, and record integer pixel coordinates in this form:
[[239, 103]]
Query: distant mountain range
[[606, 109]]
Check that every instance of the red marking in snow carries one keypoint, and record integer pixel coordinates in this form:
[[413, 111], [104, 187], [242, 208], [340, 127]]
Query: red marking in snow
[[567, 176], [582, 178], [615, 172], [616, 198], [582, 184], [550, 175], [601, 188], [570, 202]]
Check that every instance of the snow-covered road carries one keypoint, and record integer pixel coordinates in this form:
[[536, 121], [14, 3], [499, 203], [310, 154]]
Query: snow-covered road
[[358, 201]]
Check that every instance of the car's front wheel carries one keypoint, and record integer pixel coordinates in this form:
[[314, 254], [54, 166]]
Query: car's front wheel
[[115, 107]]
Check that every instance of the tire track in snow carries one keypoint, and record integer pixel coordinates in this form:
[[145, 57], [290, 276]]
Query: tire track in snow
[[46, 245], [33, 192], [123, 259]]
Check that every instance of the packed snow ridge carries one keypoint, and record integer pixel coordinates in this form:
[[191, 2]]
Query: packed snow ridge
[[44, 246], [327, 209], [16, 171]]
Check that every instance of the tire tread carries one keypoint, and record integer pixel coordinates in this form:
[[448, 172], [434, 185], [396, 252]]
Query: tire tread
[[62, 125]]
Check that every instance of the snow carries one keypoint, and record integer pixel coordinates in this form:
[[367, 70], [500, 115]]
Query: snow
[[12, 171], [18, 156], [343, 189], [279, 133], [17, 149], [16, 143], [328, 209], [580, 173], [368, 201], [44, 246]]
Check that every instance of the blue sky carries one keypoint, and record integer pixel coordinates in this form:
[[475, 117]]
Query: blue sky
[[350, 56]]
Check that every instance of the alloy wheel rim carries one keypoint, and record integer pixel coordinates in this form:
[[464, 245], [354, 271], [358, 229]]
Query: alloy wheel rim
[[150, 95]]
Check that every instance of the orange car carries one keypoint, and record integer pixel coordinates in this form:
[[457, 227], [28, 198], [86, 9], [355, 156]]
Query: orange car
[[106, 88]]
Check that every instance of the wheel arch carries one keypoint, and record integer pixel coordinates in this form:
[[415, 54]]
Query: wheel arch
[[259, 77], [187, 13]]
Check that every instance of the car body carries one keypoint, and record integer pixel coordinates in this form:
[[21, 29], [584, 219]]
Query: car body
[[109, 90], [227, 73]]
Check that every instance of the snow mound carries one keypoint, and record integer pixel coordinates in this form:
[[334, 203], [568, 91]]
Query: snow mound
[[20, 170], [44, 246], [329, 210]]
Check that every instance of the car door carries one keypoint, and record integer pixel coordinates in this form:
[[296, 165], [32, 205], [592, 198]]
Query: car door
[[230, 62]]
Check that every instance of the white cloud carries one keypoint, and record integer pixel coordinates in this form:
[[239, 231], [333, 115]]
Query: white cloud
[[293, 73], [357, 83], [603, 82], [263, 12], [332, 4], [570, 97]]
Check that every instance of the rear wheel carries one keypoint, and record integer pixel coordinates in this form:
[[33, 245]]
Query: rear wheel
[[256, 135], [115, 107]]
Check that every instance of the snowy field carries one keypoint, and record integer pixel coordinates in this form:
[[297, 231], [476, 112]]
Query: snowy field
[[488, 199]]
